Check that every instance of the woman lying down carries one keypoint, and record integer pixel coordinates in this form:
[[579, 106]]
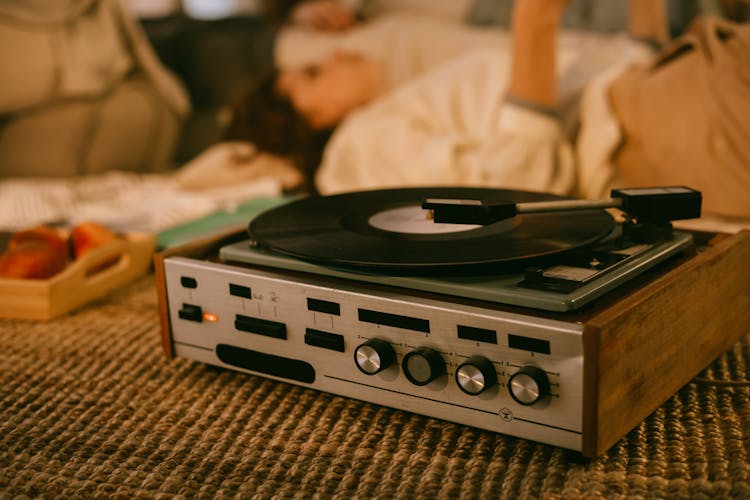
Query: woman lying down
[[490, 118]]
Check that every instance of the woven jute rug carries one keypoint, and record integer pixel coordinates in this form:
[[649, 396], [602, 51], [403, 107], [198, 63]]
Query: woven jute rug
[[90, 407]]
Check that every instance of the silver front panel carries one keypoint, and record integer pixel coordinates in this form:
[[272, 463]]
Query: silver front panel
[[281, 299]]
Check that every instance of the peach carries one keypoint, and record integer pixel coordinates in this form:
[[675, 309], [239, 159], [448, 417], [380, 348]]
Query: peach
[[34, 259], [38, 252], [88, 236], [43, 234]]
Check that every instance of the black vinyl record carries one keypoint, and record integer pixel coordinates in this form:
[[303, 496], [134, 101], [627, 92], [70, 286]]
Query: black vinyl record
[[384, 230]]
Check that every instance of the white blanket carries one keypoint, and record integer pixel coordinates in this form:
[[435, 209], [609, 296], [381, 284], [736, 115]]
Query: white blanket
[[122, 201]]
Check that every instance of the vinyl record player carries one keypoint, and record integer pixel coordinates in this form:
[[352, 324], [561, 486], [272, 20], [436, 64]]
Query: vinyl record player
[[521, 313]]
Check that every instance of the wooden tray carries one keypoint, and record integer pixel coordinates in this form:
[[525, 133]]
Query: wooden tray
[[80, 282]]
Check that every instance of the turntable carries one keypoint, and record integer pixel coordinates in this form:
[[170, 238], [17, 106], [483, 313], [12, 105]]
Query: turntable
[[522, 313]]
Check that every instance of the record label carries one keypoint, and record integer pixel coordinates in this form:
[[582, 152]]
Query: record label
[[387, 230], [414, 220]]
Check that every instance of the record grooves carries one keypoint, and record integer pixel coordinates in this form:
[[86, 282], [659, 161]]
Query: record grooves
[[388, 230]]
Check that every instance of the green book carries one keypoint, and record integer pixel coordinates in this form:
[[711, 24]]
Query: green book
[[238, 217]]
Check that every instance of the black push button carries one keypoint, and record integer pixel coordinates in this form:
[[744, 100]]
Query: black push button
[[240, 291], [269, 364], [324, 306], [260, 326], [477, 334], [191, 313], [188, 282], [397, 320], [318, 338], [528, 344]]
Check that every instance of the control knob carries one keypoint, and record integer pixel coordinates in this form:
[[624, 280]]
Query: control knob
[[423, 365], [374, 356], [476, 375], [528, 385]]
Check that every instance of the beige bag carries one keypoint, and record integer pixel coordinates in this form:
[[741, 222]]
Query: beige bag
[[686, 118], [81, 91]]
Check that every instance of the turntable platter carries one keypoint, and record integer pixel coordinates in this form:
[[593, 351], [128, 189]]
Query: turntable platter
[[388, 230]]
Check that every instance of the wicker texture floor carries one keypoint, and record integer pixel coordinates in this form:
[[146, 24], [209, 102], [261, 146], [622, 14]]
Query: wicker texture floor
[[89, 407]]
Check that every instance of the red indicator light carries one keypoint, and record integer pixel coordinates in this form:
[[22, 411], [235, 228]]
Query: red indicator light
[[210, 317]]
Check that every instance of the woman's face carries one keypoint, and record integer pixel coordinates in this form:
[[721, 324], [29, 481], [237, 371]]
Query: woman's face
[[324, 94]]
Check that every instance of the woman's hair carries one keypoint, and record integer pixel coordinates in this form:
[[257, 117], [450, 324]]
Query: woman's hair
[[271, 122]]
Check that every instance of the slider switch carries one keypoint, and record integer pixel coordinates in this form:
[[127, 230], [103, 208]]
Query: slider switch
[[191, 313]]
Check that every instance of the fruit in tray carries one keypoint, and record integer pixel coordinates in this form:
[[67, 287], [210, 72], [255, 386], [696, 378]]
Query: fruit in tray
[[88, 236], [41, 252]]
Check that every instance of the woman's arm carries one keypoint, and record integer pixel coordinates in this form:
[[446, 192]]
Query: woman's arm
[[647, 20], [535, 23], [533, 78], [324, 15]]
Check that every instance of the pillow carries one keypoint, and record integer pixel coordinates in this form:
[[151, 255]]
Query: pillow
[[684, 118]]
